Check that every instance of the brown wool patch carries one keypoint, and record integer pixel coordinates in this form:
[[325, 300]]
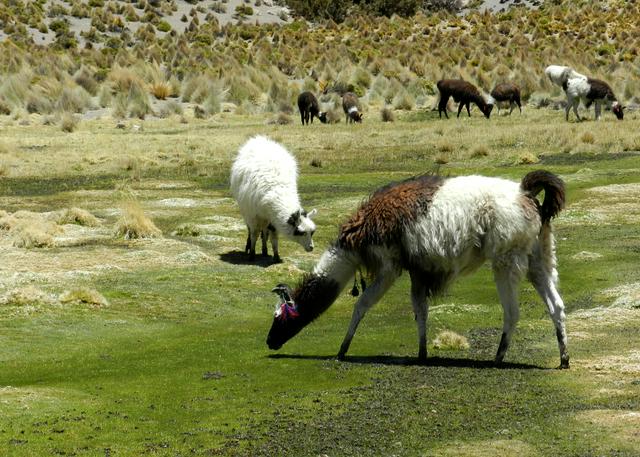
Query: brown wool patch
[[380, 220]]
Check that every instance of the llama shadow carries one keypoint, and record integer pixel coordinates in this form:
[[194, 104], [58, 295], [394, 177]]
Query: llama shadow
[[445, 362], [242, 258]]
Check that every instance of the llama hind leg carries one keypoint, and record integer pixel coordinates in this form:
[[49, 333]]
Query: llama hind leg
[[421, 311], [545, 284], [507, 280], [370, 297]]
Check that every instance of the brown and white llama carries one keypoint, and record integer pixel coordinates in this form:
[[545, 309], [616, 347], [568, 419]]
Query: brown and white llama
[[591, 91], [438, 229], [507, 92], [463, 93], [351, 109]]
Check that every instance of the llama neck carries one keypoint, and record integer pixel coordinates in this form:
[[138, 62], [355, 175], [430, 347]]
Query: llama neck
[[320, 288], [336, 264], [284, 208]]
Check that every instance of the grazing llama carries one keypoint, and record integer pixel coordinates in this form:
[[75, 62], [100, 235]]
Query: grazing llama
[[350, 107], [591, 91], [438, 229], [507, 92], [309, 108], [463, 93], [264, 183]]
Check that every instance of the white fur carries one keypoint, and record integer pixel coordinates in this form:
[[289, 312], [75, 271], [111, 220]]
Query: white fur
[[353, 109], [471, 219], [577, 89], [264, 183], [560, 74]]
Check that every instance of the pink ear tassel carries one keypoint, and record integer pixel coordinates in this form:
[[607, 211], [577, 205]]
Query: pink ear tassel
[[288, 312]]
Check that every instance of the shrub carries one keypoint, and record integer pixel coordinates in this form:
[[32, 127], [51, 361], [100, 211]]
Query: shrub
[[163, 26]]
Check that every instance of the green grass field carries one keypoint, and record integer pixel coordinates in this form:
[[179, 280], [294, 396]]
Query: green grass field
[[176, 364]]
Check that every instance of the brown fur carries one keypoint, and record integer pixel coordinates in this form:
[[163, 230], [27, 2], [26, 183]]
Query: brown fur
[[463, 93], [554, 194], [507, 92], [381, 219]]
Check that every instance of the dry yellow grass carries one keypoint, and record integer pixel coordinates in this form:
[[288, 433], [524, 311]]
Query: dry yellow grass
[[26, 296], [84, 295], [135, 224], [77, 216], [450, 341]]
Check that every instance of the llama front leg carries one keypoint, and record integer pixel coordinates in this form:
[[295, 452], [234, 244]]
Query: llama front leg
[[598, 110], [460, 106], [507, 279], [421, 311], [247, 246], [442, 106], [264, 234], [274, 246], [253, 239], [545, 284], [370, 297]]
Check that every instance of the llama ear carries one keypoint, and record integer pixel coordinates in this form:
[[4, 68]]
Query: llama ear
[[312, 213]]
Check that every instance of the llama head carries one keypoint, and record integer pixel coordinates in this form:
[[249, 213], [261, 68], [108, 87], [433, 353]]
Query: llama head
[[323, 117], [618, 110], [301, 228], [356, 116], [488, 107], [286, 319], [297, 308]]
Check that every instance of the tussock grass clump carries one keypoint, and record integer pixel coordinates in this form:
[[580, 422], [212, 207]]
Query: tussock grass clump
[[480, 150], [84, 295], [26, 296], [77, 216], [386, 114], [528, 159], [161, 90], [134, 224], [170, 108], [188, 230], [450, 341], [588, 138], [403, 100], [69, 122], [34, 233]]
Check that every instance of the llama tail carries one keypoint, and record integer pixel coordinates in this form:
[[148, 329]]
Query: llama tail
[[554, 193]]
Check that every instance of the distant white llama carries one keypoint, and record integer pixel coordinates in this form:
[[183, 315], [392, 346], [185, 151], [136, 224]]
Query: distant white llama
[[264, 183]]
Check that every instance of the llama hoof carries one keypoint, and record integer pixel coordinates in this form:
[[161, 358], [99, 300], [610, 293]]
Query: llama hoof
[[340, 357], [564, 363], [277, 259]]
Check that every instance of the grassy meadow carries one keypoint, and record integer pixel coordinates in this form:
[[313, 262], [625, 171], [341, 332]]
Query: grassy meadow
[[156, 346]]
